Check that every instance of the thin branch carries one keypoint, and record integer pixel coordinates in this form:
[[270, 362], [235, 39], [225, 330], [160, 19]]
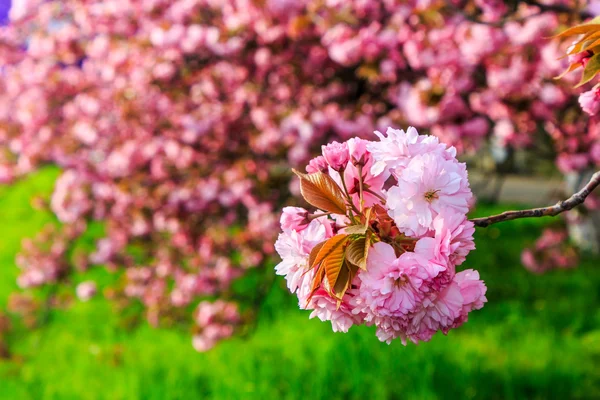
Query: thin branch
[[560, 207], [559, 8]]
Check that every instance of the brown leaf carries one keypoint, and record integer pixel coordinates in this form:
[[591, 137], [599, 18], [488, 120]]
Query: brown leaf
[[355, 253], [333, 264], [591, 69], [578, 29], [329, 246], [343, 282], [571, 68], [316, 283], [355, 230], [313, 254], [368, 241], [321, 191], [590, 44]]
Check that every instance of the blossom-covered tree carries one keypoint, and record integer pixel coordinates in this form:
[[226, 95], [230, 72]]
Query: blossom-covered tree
[[174, 121]]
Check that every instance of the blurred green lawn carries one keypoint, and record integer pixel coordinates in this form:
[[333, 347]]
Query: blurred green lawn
[[538, 337]]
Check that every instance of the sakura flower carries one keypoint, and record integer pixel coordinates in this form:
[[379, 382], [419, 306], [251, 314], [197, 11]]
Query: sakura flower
[[590, 101], [317, 164], [336, 154], [452, 240], [426, 185], [327, 309], [394, 286], [294, 218], [294, 247], [472, 290], [395, 149]]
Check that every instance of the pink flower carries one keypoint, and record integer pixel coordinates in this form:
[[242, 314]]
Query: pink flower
[[294, 218], [294, 247], [395, 150], [317, 164], [426, 185], [472, 290], [86, 290], [327, 309], [452, 240], [393, 287], [372, 184], [358, 151], [590, 101], [336, 154]]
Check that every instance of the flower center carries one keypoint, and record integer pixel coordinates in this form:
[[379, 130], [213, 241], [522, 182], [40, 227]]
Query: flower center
[[400, 281], [431, 195]]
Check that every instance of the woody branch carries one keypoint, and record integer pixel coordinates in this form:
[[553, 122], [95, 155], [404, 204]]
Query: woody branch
[[560, 207]]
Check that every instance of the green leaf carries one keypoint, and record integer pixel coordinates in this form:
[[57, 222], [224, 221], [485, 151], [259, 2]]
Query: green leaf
[[591, 69], [321, 191]]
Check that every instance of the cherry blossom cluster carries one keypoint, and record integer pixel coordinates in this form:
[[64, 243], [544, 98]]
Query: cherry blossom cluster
[[216, 321], [410, 196], [551, 251]]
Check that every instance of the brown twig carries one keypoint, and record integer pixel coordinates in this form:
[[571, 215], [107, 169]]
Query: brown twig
[[560, 207]]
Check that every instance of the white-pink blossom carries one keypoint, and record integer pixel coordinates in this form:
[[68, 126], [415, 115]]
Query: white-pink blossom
[[428, 184]]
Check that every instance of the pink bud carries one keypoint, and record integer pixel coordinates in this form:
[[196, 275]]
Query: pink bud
[[317, 164], [294, 218], [336, 154], [358, 151], [590, 101]]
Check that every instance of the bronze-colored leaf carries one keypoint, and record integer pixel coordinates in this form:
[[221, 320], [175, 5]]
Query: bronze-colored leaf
[[333, 264], [591, 70], [321, 191], [355, 253], [343, 281], [330, 246], [590, 44], [571, 68], [578, 45], [316, 283], [578, 29], [355, 230], [368, 242], [313, 254]]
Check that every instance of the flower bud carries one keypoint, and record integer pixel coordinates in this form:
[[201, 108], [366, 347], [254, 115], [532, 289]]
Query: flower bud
[[590, 101], [358, 151], [336, 154], [317, 164], [294, 218]]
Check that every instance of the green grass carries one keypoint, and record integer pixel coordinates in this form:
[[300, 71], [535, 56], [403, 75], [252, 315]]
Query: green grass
[[538, 337]]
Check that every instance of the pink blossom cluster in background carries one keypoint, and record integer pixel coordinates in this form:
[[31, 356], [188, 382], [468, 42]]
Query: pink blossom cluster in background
[[217, 321], [420, 195], [551, 251], [174, 121]]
